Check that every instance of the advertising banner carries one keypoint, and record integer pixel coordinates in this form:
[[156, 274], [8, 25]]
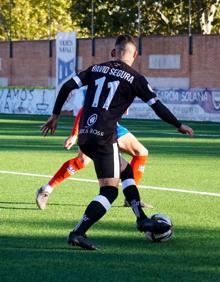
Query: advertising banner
[[192, 104], [26, 101], [65, 59]]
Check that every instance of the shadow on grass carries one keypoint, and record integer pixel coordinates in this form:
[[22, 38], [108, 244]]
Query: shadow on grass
[[15, 205], [193, 254]]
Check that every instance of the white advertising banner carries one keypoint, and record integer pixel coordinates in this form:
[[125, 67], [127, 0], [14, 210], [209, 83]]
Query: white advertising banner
[[197, 104], [192, 104], [65, 59], [26, 101]]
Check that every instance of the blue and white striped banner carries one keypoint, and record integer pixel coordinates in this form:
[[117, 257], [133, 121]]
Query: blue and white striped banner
[[65, 57]]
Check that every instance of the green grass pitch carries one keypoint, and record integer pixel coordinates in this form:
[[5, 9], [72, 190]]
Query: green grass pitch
[[33, 243]]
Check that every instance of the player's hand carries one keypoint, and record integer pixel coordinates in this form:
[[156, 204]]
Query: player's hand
[[69, 142], [185, 129], [50, 125]]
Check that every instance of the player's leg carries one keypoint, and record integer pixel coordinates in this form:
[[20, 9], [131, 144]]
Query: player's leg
[[66, 170], [130, 189], [128, 143], [107, 166], [69, 168], [133, 197]]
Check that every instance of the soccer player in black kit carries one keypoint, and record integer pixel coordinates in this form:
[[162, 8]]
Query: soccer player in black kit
[[112, 87]]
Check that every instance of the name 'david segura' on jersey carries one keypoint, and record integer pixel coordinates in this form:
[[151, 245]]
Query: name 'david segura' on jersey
[[114, 72]]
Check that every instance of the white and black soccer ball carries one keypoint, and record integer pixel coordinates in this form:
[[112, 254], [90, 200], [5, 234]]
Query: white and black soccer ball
[[160, 237]]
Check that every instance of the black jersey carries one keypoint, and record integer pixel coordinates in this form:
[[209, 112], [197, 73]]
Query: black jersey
[[112, 87]]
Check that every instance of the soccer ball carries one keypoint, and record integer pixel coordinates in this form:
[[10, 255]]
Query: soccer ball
[[160, 237]]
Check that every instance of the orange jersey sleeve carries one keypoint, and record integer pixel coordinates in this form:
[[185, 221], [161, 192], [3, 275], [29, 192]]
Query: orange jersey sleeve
[[75, 129]]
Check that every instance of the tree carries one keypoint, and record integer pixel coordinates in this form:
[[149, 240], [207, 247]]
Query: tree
[[162, 17], [4, 19], [207, 18], [41, 19], [110, 17], [30, 19]]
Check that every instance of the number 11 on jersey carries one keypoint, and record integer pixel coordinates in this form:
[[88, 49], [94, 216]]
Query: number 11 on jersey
[[112, 86]]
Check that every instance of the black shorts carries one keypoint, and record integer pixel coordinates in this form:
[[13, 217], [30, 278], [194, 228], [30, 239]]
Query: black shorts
[[106, 159]]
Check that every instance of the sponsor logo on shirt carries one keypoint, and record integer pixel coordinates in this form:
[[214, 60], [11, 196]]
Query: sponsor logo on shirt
[[92, 119], [91, 131]]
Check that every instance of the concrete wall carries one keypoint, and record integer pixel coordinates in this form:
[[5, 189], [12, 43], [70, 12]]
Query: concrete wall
[[164, 60]]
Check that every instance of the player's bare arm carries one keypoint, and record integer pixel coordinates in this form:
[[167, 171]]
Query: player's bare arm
[[70, 141]]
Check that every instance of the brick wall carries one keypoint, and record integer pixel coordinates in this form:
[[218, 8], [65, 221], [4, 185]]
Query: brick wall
[[32, 66]]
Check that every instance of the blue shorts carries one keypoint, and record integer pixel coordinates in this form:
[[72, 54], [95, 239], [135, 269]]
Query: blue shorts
[[121, 131]]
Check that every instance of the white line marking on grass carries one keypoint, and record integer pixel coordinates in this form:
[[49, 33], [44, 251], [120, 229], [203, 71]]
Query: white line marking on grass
[[44, 176], [140, 186], [180, 190]]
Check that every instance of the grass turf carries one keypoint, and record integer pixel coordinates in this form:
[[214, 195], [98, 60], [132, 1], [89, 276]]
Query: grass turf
[[33, 243]]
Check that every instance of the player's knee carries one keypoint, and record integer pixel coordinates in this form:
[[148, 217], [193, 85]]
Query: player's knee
[[77, 163], [109, 182], [109, 192], [127, 178], [127, 173], [141, 151], [86, 161]]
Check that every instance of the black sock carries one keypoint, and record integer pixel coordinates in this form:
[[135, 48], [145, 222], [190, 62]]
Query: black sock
[[97, 208], [131, 192]]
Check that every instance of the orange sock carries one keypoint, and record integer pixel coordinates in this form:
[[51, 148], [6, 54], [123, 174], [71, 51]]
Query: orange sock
[[138, 164], [66, 170]]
